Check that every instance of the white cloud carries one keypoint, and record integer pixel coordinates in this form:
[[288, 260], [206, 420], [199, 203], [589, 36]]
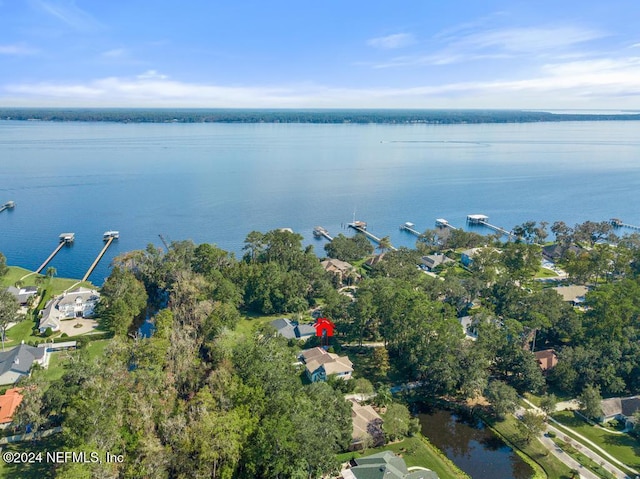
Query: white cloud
[[600, 83], [115, 53], [16, 49], [391, 42], [528, 39]]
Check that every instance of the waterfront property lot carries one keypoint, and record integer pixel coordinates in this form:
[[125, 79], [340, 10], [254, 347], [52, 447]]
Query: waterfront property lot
[[623, 447], [415, 451]]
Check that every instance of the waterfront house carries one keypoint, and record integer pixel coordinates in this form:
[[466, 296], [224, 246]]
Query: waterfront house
[[23, 295], [17, 362], [292, 330], [555, 251], [367, 423], [319, 364], [77, 303], [341, 269], [434, 260], [384, 465], [467, 256], [621, 409], [9, 403]]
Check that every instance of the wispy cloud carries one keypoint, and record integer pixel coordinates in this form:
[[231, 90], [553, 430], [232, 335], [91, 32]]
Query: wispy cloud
[[602, 83], [17, 49], [68, 13], [392, 42], [115, 53], [527, 39]]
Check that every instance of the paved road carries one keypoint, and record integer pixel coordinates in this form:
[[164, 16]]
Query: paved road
[[566, 459], [588, 448]]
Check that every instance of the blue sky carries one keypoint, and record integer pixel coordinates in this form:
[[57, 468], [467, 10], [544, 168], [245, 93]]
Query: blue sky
[[325, 54]]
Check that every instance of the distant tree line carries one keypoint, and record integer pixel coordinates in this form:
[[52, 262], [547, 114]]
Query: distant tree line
[[160, 115]]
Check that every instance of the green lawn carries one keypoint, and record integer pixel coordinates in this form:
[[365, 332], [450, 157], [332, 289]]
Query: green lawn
[[96, 348], [545, 273], [416, 451], [535, 450], [41, 470], [621, 446]]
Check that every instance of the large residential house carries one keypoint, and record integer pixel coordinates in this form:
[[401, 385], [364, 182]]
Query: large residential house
[[23, 294], [77, 303], [384, 465], [367, 423], [292, 330], [432, 261], [345, 272], [547, 359], [319, 364], [621, 409], [17, 362], [574, 294]]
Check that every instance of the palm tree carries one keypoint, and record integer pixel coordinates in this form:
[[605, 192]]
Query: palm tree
[[51, 272], [384, 244]]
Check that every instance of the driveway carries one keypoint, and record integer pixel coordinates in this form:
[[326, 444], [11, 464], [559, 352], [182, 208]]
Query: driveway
[[69, 326]]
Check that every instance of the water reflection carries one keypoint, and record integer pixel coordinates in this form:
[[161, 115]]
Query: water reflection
[[471, 446]]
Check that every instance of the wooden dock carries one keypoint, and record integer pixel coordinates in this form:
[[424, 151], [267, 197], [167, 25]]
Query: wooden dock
[[442, 223], [408, 226], [617, 223], [320, 232], [97, 260], [8, 206], [356, 226], [55, 252], [484, 221]]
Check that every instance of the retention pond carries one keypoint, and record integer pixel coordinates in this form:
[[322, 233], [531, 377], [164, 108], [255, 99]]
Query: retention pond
[[472, 446]]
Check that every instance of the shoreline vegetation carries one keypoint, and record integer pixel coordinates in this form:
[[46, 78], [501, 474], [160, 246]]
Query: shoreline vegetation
[[312, 116]]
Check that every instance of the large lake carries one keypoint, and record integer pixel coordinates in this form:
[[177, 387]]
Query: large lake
[[216, 182]]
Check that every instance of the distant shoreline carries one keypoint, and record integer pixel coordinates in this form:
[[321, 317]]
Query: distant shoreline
[[310, 116]]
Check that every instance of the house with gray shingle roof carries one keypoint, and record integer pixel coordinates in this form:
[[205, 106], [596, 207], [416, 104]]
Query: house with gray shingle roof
[[17, 362], [77, 303], [292, 330], [621, 409], [319, 364]]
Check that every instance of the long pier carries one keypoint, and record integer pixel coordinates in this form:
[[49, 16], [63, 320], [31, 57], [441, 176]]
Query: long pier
[[97, 260], [617, 223], [408, 226], [483, 220], [371, 236], [55, 252]]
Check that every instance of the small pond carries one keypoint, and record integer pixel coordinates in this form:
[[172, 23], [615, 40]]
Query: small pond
[[471, 446]]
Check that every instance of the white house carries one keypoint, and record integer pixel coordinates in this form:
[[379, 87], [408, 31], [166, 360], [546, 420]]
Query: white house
[[78, 303]]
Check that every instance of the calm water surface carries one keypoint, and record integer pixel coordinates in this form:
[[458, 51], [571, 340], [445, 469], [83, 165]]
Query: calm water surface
[[216, 182], [474, 449]]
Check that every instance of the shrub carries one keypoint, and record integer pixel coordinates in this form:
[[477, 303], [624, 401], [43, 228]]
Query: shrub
[[48, 332]]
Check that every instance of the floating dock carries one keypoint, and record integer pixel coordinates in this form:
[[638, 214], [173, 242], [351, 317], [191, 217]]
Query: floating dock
[[9, 205], [320, 232], [617, 223], [442, 223], [109, 239], [361, 227], [408, 226], [65, 239], [484, 221]]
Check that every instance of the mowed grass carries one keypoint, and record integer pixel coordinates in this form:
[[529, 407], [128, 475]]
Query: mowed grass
[[623, 447], [416, 451], [37, 470], [552, 466]]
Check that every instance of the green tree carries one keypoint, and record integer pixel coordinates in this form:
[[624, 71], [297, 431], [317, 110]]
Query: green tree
[[531, 425], [123, 298], [591, 401], [396, 421], [503, 398], [384, 244], [348, 249], [4, 269], [548, 403], [8, 312]]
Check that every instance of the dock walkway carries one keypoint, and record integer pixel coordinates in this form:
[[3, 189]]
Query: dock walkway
[[99, 257], [371, 236], [409, 228]]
